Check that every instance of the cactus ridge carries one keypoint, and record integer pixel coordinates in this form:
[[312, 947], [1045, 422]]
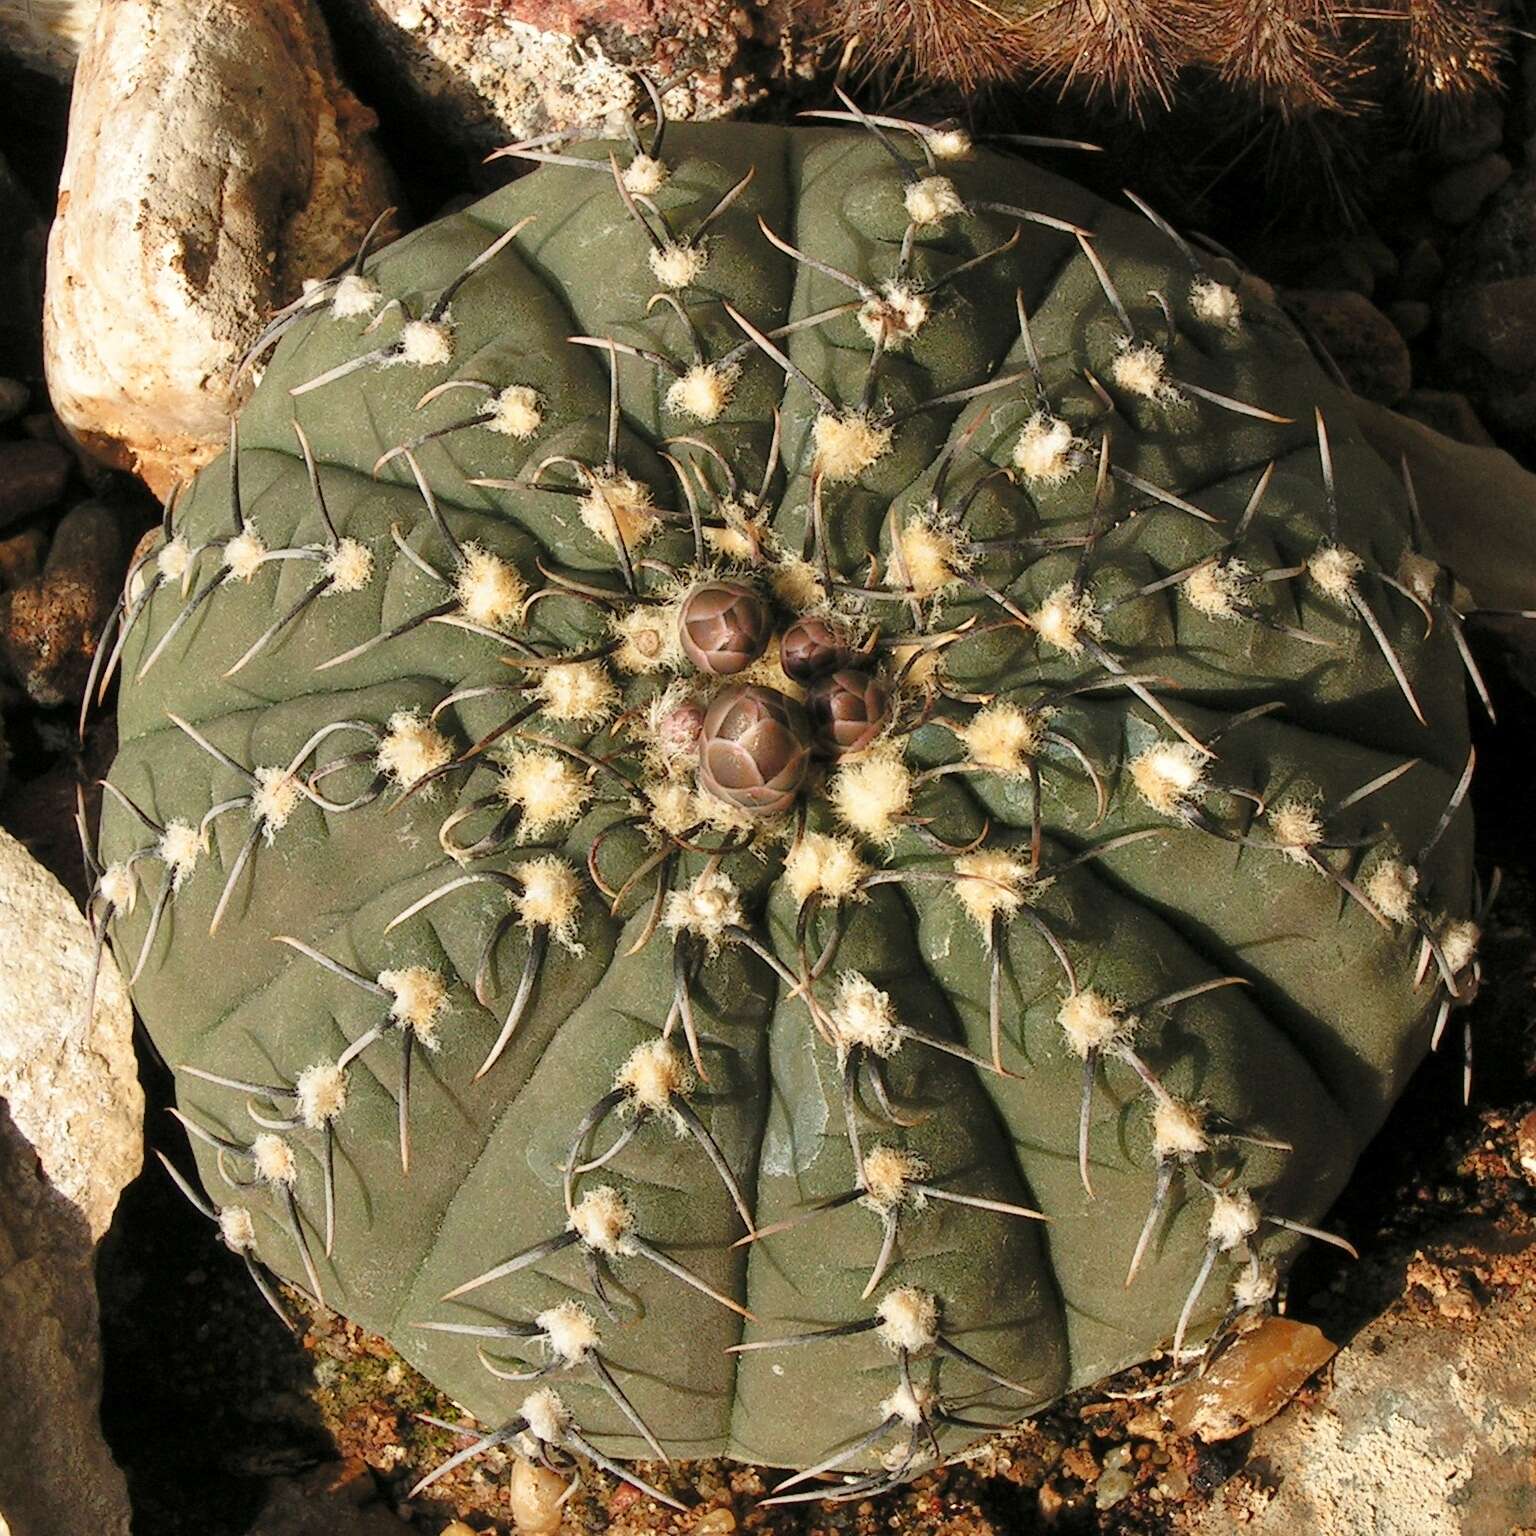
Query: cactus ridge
[[880, 1084]]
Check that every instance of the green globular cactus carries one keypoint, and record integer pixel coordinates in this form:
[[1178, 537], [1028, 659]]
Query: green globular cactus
[[1077, 867]]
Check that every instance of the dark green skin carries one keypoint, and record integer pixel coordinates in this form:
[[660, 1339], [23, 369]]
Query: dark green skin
[[1313, 1052]]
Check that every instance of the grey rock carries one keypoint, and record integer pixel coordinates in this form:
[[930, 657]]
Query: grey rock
[[72, 1084], [70, 1139], [1427, 1431]]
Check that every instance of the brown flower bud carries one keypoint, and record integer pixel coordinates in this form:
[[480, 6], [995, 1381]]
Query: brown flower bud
[[724, 627], [755, 749], [848, 711], [812, 647]]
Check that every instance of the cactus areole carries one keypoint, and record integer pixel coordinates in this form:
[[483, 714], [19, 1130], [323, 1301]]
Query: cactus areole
[[545, 998]]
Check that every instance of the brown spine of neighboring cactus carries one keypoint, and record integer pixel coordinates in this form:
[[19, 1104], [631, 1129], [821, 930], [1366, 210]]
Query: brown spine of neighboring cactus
[[1294, 57]]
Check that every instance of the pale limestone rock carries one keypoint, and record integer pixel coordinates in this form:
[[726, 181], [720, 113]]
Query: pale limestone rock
[[72, 1089], [71, 1119], [214, 162]]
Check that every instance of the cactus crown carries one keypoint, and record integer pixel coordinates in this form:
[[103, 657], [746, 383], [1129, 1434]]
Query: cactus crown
[[801, 759]]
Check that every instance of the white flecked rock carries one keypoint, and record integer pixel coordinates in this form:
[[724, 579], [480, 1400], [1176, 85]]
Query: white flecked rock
[[73, 1091], [71, 1131], [214, 163]]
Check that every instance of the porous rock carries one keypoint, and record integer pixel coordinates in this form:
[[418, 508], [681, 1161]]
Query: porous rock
[[487, 74], [70, 1139], [1427, 1431], [214, 162], [72, 1086]]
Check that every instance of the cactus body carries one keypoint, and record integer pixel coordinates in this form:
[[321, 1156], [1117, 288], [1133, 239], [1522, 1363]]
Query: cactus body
[[568, 943]]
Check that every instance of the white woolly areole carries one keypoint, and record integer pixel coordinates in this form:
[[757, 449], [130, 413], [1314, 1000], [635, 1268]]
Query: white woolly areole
[[897, 312], [547, 1416], [1140, 369], [932, 200], [869, 793], [1419, 574], [1178, 1129], [570, 1330], [420, 996], [1066, 617], [489, 590], [864, 1015], [911, 1405], [824, 866], [846, 443], [516, 412], [1046, 452], [550, 791], [702, 392], [707, 908], [274, 799], [647, 638], [888, 1174], [1170, 777], [321, 1092], [930, 555], [354, 296], [1390, 888], [1004, 737], [918, 665], [618, 507], [244, 555], [674, 806], [653, 1075], [119, 887], [1334, 571], [1093, 1021], [603, 1220], [411, 749], [909, 1319], [993, 884], [274, 1161], [179, 848], [1458, 943], [1255, 1286], [425, 343], [947, 143], [1234, 1219], [550, 898], [676, 266], [348, 566], [174, 558], [644, 176], [1296, 826], [1215, 303], [1219, 589], [237, 1228], [580, 692], [797, 584]]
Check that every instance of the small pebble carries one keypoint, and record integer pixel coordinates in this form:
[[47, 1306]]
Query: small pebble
[[1117, 1479], [32, 476], [49, 626], [535, 1494], [13, 398], [1410, 316], [1525, 1146], [21, 557], [1455, 198], [1252, 1381], [1422, 271]]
